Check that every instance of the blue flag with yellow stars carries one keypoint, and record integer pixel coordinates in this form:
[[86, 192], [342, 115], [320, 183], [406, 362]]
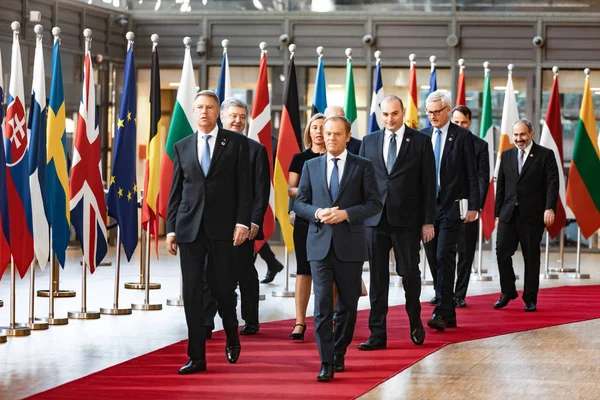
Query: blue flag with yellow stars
[[122, 193]]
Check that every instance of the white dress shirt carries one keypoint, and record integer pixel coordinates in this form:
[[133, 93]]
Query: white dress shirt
[[386, 141], [341, 162], [211, 142], [527, 151], [434, 136]]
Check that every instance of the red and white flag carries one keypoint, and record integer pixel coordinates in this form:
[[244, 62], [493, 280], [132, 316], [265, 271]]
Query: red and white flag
[[260, 130], [552, 138]]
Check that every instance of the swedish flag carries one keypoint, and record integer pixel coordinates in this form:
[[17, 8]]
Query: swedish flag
[[122, 193]]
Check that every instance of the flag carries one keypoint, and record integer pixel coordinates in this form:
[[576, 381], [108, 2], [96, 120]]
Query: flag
[[376, 121], [224, 88], [320, 98], [350, 102], [583, 189], [462, 91], [122, 193], [510, 115], [4, 224], [486, 132], [412, 112], [182, 124], [432, 84], [260, 130], [37, 157], [16, 146], [57, 175], [552, 138], [290, 137], [87, 203]]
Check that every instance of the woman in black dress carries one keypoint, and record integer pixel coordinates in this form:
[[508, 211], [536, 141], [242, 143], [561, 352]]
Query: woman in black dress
[[315, 147]]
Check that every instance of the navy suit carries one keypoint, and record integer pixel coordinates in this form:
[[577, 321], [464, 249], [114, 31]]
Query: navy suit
[[337, 252], [353, 145], [458, 180]]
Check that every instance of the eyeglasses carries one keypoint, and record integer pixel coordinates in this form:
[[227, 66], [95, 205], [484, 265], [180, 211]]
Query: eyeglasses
[[436, 112]]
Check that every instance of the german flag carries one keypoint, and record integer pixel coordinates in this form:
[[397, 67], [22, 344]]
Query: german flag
[[290, 137], [152, 174]]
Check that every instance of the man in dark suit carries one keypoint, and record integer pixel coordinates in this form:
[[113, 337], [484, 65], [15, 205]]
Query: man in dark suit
[[337, 193], [353, 145], [456, 178], [405, 172], [467, 241], [209, 215], [234, 114], [526, 196]]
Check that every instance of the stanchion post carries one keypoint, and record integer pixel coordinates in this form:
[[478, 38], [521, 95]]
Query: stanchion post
[[12, 329], [286, 292], [424, 280], [52, 320], [84, 313], [32, 323], [480, 276], [115, 310], [561, 260], [547, 274], [179, 300], [577, 274]]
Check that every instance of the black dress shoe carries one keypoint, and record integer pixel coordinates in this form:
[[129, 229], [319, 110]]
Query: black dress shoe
[[433, 301], [530, 306], [272, 272], [372, 344], [250, 329], [338, 363], [460, 303], [450, 323], [504, 300], [437, 322], [326, 373], [232, 350], [207, 333], [192, 367], [417, 334]]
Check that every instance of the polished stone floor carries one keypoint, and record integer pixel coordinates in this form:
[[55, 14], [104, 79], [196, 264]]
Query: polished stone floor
[[552, 363]]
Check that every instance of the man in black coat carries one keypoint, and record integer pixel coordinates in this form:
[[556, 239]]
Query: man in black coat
[[467, 241], [208, 217], [405, 173], [526, 196], [456, 178]]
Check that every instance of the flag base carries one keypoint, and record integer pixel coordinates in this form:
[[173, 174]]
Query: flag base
[[57, 293], [2, 338], [1, 303], [577, 275], [261, 297], [483, 271], [115, 311], [175, 302], [54, 321], [548, 276], [426, 282], [35, 326], [141, 286], [284, 294], [15, 330], [83, 314], [563, 270], [146, 307], [292, 274], [485, 278]]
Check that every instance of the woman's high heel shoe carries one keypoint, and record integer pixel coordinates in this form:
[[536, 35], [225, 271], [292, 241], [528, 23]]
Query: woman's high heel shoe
[[298, 336]]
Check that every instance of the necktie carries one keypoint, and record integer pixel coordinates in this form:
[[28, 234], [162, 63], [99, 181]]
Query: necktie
[[521, 160], [436, 153], [205, 159], [391, 157], [334, 182]]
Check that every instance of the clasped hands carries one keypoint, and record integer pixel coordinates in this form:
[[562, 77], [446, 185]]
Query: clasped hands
[[332, 215]]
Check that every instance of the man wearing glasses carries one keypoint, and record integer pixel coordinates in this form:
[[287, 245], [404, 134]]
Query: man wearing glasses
[[456, 179]]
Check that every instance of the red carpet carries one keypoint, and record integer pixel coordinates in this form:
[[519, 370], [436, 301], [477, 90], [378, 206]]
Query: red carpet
[[271, 366]]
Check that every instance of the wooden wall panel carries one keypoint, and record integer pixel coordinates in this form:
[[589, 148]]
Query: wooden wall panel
[[572, 42]]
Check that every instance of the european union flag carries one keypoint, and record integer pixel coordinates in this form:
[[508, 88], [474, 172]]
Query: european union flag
[[122, 193], [320, 98], [432, 88]]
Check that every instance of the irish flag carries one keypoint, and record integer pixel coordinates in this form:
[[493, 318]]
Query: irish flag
[[486, 132], [412, 112], [583, 189]]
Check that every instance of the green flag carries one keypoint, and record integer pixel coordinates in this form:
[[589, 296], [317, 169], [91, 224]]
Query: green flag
[[350, 103]]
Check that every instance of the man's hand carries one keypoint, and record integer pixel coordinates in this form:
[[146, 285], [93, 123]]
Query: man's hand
[[292, 218], [496, 222], [471, 216], [253, 231], [171, 245], [548, 217], [335, 216], [240, 234], [427, 233], [324, 213]]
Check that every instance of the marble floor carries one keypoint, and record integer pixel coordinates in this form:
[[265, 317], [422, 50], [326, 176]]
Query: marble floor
[[552, 363]]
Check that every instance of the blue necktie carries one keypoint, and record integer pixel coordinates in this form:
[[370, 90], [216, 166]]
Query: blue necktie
[[391, 157], [205, 159], [436, 152], [334, 182]]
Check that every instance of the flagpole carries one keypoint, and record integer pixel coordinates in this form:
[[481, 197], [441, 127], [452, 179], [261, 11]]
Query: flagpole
[[577, 274], [423, 256], [115, 310], [12, 329], [479, 276], [32, 323], [51, 320], [546, 274]]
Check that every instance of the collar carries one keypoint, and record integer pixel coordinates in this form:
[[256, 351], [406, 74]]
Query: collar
[[444, 128], [399, 132], [341, 156], [212, 133]]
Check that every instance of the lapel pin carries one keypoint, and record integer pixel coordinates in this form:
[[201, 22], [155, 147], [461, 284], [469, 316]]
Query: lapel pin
[[531, 155], [223, 142], [449, 139], [407, 139]]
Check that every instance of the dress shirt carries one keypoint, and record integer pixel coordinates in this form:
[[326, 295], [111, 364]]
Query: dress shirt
[[341, 162], [434, 135], [386, 141], [527, 151]]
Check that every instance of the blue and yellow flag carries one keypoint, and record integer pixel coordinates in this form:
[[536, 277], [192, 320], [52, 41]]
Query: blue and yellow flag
[[122, 193], [57, 175]]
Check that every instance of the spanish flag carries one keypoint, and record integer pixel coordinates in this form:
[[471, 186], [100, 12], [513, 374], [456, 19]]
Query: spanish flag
[[583, 188], [412, 112], [288, 145]]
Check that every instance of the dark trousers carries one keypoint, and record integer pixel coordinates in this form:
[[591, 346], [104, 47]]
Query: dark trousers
[[441, 255], [249, 289], [467, 243], [215, 261], [346, 276], [267, 254], [510, 235], [406, 245]]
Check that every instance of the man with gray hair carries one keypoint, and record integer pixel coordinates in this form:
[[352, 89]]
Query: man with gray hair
[[456, 179]]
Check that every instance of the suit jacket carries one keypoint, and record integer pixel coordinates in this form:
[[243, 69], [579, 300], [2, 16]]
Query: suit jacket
[[353, 145], [261, 184], [219, 200], [535, 189], [458, 168], [408, 192], [482, 155], [358, 195]]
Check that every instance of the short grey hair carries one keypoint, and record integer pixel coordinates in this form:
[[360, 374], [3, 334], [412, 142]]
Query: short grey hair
[[233, 102], [337, 117], [525, 122], [439, 95], [208, 93]]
